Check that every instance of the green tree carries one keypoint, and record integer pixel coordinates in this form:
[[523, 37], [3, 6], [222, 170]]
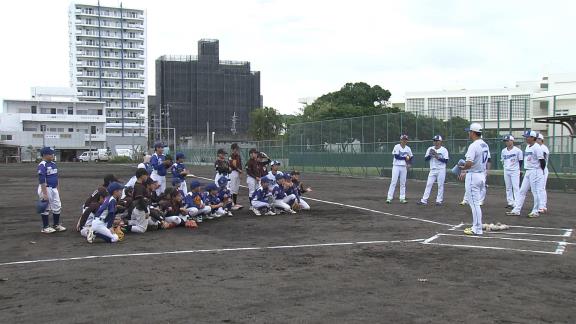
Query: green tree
[[265, 124]]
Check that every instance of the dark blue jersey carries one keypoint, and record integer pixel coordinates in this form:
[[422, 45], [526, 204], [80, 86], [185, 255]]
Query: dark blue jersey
[[48, 174], [194, 199], [157, 162], [107, 211], [177, 176]]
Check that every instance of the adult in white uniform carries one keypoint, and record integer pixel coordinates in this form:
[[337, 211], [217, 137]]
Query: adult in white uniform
[[438, 157], [474, 170], [512, 159], [402, 159], [543, 193], [483, 189], [534, 163]]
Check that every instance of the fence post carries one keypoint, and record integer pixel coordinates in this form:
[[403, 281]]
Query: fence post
[[525, 113], [483, 116], [553, 125], [498, 117], [510, 115]]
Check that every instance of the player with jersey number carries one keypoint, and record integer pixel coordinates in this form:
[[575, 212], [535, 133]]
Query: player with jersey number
[[534, 163], [543, 193], [402, 160], [48, 192], [438, 157], [474, 171], [512, 159]]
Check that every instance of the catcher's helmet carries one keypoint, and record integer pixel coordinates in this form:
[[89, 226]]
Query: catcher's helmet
[[41, 206]]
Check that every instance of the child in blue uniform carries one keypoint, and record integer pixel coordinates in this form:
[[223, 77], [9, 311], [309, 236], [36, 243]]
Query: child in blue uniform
[[262, 199], [214, 202], [158, 162], [104, 218], [225, 195], [48, 192], [179, 173], [194, 203], [281, 199]]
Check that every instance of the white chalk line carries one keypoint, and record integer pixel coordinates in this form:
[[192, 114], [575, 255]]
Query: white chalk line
[[240, 249], [504, 238], [491, 248], [358, 207]]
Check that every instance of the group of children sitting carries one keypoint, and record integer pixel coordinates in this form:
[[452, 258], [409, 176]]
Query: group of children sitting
[[113, 210]]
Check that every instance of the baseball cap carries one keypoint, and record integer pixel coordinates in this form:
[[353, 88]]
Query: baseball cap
[[474, 127], [295, 172], [508, 138], [253, 150], [279, 176], [276, 162], [211, 186], [221, 151], [46, 151], [158, 144], [265, 180], [287, 176], [437, 138], [404, 137], [195, 184], [180, 155], [540, 136], [530, 133], [114, 186], [234, 146]]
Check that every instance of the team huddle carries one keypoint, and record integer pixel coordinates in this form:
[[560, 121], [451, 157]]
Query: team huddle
[[144, 203], [474, 170]]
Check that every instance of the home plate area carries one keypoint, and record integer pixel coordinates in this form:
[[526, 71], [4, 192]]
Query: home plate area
[[543, 240]]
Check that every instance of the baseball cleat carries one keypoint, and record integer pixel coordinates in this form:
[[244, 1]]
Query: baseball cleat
[[438, 203], [542, 210], [90, 236], [512, 213], [229, 213], [509, 207], [291, 211], [270, 213], [469, 231], [533, 215], [198, 219], [59, 228], [421, 203], [463, 203], [48, 230], [256, 212], [388, 201], [403, 201], [209, 217]]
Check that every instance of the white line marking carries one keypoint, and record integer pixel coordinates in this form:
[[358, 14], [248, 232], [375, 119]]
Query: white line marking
[[532, 234], [503, 238], [561, 247], [362, 208], [568, 233], [256, 248], [456, 227], [489, 248], [430, 239], [544, 228]]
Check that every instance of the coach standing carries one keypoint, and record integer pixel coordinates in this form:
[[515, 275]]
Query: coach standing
[[475, 170], [235, 161], [402, 158]]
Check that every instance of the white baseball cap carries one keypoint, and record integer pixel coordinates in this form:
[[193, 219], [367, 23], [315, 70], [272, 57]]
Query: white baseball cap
[[540, 136], [474, 127], [437, 138], [530, 133], [508, 138]]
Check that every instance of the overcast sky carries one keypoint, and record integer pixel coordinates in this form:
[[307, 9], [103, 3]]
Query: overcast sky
[[305, 48]]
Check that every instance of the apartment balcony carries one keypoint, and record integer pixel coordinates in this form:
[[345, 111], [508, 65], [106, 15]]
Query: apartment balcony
[[136, 17], [63, 118], [134, 26], [126, 125]]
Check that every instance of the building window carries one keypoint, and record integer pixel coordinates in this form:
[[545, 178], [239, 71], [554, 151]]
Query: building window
[[415, 105], [520, 106], [53, 111], [70, 130], [99, 112], [92, 130], [6, 137], [42, 128], [437, 108], [456, 107], [33, 109], [70, 110], [498, 107], [478, 108]]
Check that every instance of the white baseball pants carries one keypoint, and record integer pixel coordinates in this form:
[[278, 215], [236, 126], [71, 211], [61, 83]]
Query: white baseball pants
[[543, 193], [435, 175], [161, 181], [252, 185], [54, 203], [193, 211], [474, 184], [99, 227], [398, 171], [234, 184], [512, 181], [532, 181]]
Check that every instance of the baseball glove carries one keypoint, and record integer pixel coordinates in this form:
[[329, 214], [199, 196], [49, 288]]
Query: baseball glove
[[118, 231], [295, 206]]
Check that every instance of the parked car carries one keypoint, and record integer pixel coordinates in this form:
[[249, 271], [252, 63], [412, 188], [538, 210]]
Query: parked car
[[98, 156]]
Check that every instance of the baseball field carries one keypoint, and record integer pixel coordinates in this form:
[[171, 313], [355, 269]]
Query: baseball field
[[351, 259]]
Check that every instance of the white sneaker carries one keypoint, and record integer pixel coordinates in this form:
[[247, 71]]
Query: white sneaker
[[463, 203], [256, 212], [209, 217], [198, 219], [59, 228], [90, 236], [481, 203], [270, 213], [291, 211], [229, 213], [48, 230]]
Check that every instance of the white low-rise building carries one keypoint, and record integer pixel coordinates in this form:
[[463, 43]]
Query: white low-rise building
[[53, 117]]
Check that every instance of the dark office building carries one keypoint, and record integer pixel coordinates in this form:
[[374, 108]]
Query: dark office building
[[196, 91]]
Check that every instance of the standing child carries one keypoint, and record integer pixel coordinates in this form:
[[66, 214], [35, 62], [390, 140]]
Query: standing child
[[235, 162], [252, 173], [221, 165], [179, 173], [158, 162], [48, 192], [402, 159], [512, 159], [214, 202], [194, 203], [260, 200], [225, 195], [438, 157], [104, 218]]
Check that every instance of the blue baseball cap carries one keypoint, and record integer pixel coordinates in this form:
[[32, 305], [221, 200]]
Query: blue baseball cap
[[195, 184], [222, 181], [279, 176], [437, 138], [114, 186], [180, 155], [46, 151], [211, 187], [287, 176], [265, 180], [159, 144], [530, 133], [507, 138]]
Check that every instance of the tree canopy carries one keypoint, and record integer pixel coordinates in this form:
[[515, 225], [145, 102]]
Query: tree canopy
[[265, 123]]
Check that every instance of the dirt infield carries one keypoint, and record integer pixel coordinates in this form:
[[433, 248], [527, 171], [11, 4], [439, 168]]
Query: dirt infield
[[351, 259]]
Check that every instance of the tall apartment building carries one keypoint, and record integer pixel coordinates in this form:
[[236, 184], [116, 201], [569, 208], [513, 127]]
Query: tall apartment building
[[200, 94], [108, 64]]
